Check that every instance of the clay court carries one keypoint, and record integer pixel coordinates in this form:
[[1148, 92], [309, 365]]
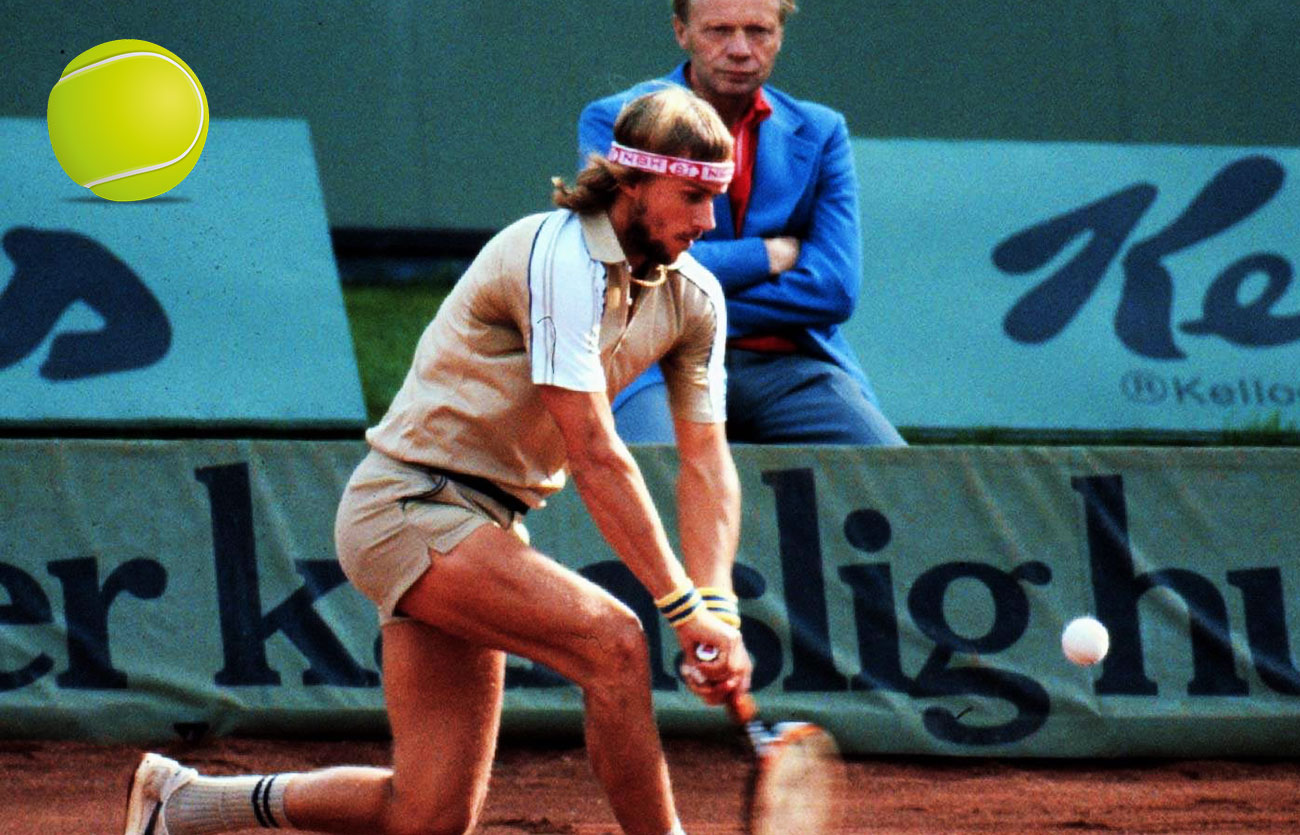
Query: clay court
[[78, 789]]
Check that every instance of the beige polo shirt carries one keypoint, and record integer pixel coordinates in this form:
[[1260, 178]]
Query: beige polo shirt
[[547, 302]]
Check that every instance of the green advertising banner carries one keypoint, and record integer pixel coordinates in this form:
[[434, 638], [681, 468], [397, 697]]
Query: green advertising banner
[[911, 600], [992, 268], [216, 305]]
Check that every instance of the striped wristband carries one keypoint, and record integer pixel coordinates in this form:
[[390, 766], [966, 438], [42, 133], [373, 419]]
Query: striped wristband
[[680, 606], [723, 605]]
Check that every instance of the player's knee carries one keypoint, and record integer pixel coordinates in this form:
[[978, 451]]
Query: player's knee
[[449, 819], [433, 810], [622, 659]]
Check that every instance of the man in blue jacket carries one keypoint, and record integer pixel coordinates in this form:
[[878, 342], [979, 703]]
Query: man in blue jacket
[[786, 249]]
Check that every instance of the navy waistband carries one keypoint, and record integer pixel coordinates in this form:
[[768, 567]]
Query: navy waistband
[[486, 487]]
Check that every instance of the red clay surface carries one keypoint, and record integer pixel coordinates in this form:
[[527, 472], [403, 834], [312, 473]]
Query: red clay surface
[[79, 789]]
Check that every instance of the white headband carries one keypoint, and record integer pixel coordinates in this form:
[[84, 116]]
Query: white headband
[[705, 172]]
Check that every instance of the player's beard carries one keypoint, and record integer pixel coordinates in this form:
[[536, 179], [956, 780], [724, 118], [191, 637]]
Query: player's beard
[[637, 240]]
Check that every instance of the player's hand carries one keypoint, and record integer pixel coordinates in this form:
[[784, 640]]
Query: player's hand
[[713, 681], [782, 254]]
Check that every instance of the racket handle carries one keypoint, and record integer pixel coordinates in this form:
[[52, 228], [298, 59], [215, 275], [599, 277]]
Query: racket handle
[[741, 707], [705, 652]]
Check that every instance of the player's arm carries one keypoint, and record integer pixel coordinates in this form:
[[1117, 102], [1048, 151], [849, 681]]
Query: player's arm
[[708, 515], [708, 489], [708, 503], [615, 494], [612, 488]]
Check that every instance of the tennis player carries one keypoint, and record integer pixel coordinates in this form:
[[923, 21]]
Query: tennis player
[[509, 391]]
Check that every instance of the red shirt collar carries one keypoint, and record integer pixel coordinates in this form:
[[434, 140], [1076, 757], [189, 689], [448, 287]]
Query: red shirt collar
[[759, 109]]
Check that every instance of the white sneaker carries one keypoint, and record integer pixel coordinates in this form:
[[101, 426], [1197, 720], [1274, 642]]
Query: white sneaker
[[155, 780]]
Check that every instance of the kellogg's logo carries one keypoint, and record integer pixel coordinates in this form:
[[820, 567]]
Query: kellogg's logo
[[1144, 318]]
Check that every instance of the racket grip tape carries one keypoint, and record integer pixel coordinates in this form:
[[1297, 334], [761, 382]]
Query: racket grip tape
[[740, 706]]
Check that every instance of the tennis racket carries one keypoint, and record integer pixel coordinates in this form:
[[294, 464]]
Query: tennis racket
[[797, 778]]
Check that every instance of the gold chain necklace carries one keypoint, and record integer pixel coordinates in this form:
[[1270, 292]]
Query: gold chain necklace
[[663, 276]]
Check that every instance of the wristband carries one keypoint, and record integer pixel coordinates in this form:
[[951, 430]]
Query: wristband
[[680, 606], [722, 604]]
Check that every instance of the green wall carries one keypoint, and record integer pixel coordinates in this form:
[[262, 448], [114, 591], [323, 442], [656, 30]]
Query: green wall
[[441, 114]]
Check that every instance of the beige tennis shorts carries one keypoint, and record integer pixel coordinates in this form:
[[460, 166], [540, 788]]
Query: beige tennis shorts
[[393, 514]]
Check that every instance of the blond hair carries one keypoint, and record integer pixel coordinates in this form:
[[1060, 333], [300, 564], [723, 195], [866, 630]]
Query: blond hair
[[682, 10], [671, 121]]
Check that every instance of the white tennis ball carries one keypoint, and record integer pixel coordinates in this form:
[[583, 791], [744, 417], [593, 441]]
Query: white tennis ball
[[1085, 641]]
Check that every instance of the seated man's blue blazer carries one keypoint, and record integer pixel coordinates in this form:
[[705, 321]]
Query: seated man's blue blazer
[[805, 186]]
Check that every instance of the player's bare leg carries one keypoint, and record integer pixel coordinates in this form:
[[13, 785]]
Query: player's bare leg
[[490, 591], [443, 696], [495, 590]]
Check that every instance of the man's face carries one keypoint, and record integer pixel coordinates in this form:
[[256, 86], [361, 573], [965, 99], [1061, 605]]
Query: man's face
[[732, 45], [667, 215]]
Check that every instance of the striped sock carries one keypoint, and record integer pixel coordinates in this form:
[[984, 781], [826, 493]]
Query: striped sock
[[211, 805]]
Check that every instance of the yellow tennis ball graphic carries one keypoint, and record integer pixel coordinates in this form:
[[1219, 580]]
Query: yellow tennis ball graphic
[[127, 120]]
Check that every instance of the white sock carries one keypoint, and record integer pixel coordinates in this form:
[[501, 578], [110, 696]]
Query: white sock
[[677, 829], [210, 805]]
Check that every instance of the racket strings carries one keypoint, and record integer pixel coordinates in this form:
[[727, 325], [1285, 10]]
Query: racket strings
[[798, 783]]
